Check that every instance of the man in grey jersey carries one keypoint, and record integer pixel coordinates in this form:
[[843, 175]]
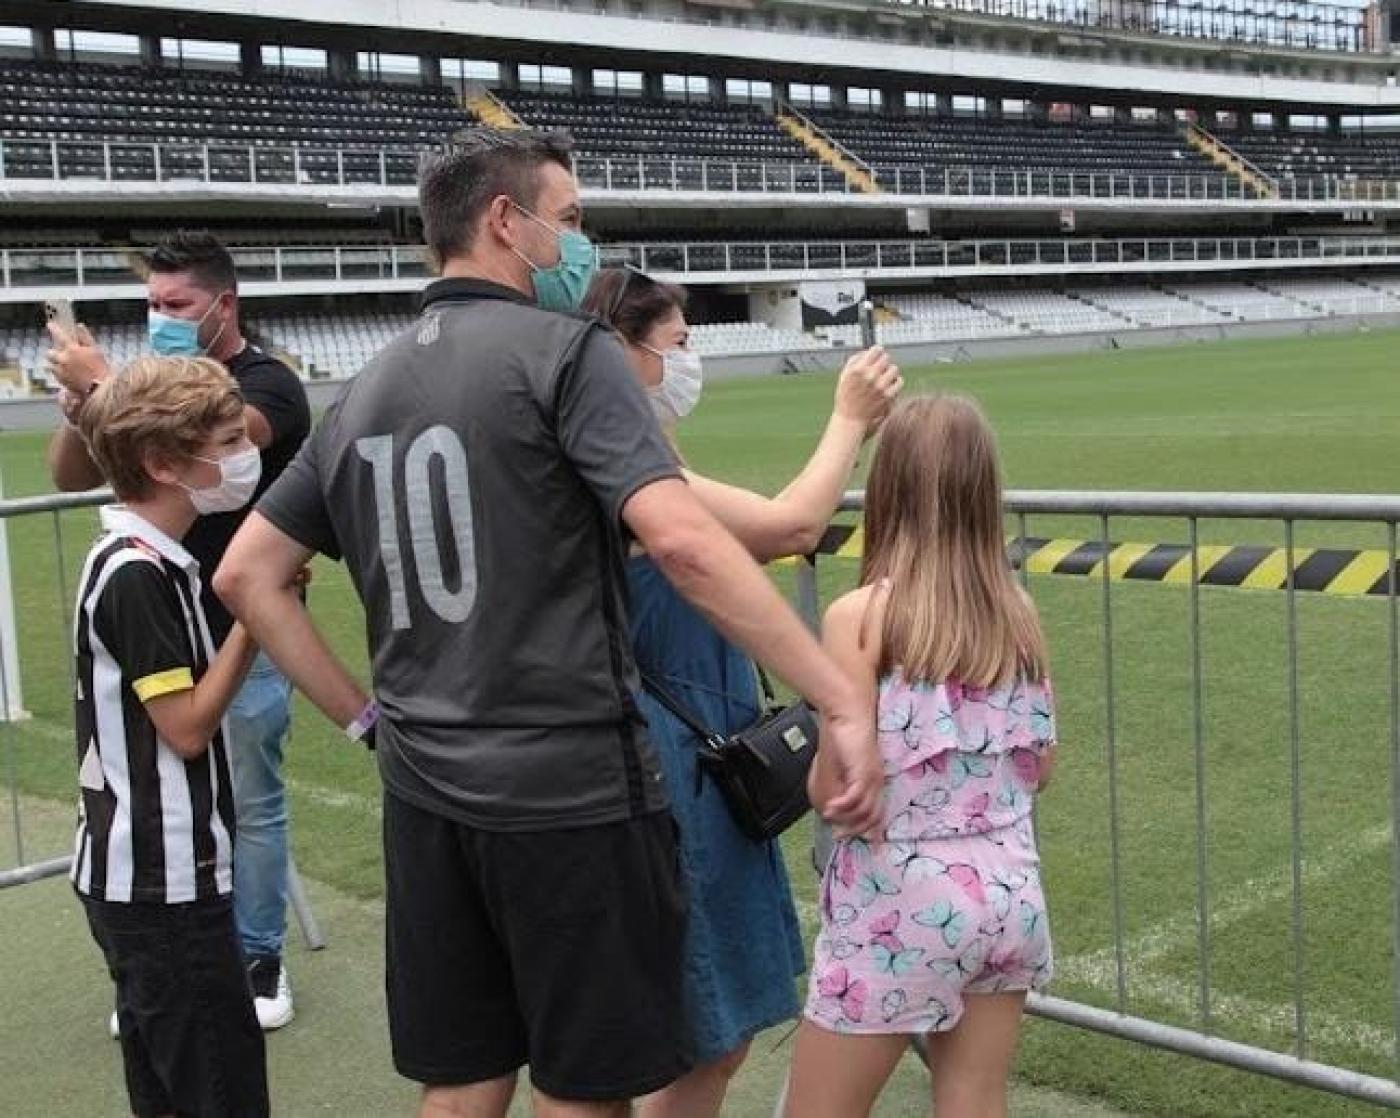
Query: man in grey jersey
[[481, 479]]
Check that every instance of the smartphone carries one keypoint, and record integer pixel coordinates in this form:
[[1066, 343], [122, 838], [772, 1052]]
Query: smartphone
[[61, 311], [867, 323]]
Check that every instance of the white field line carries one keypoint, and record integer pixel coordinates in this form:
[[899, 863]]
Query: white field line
[[1246, 901], [1182, 996], [361, 803]]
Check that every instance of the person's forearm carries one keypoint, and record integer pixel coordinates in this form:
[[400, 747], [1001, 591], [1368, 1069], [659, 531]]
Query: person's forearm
[[720, 579], [814, 494], [278, 621], [215, 692], [187, 720], [70, 464]]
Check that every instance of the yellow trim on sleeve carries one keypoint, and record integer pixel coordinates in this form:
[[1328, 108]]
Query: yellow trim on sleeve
[[163, 683]]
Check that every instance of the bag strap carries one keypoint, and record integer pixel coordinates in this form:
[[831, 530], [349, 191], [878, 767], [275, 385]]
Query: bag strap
[[764, 682], [711, 739]]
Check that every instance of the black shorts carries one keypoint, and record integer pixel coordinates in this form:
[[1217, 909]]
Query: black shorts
[[557, 949], [189, 1034]]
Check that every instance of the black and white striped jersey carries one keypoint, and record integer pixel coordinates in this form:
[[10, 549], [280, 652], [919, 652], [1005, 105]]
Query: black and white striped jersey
[[154, 827]]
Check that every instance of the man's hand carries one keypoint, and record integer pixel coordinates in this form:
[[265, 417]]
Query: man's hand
[[867, 388], [856, 804], [75, 360], [71, 405]]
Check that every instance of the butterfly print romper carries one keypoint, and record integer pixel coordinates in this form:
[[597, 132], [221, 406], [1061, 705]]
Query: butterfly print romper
[[949, 901]]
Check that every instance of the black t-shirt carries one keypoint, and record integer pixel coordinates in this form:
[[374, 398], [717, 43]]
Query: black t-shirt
[[276, 392], [472, 478]]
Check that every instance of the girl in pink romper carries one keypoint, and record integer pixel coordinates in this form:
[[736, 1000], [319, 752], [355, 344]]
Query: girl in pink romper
[[935, 923]]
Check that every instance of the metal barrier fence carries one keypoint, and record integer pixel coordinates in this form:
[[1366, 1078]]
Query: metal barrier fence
[[25, 869], [53, 160], [1203, 1039]]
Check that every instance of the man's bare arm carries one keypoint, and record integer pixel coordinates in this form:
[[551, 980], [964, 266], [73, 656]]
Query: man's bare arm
[[257, 581], [714, 572], [70, 464]]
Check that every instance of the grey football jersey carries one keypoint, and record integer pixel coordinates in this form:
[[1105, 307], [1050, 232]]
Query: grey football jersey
[[472, 478]]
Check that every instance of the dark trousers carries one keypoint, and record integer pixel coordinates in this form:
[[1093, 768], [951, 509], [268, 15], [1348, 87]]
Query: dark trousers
[[189, 1034]]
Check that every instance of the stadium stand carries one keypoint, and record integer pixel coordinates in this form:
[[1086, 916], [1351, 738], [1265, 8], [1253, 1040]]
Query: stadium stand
[[334, 343], [328, 345], [1304, 155], [719, 338], [891, 143], [231, 124], [1148, 306], [623, 142], [929, 315], [1331, 296], [627, 139], [1243, 302], [1047, 312], [42, 101], [605, 126], [130, 108], [1388, 286]]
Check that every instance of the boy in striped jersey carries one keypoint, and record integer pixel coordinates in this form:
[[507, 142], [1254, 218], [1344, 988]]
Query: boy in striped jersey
[[153, 862]]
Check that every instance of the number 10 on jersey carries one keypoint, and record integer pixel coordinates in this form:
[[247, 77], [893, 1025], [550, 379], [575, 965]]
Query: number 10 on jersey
[[443, 444]]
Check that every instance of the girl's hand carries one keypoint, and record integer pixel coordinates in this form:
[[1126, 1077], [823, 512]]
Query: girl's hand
[[867, 388]]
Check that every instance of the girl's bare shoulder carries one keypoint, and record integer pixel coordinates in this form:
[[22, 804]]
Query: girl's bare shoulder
[[861, 610]]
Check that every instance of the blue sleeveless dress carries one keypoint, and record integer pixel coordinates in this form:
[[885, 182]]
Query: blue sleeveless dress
[[744, 945]]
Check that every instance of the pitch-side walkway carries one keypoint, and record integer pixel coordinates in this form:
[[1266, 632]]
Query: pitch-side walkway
[[56, 1060]]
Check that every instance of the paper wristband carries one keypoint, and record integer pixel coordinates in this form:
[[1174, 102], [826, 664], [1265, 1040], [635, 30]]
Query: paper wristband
[[363, 722]]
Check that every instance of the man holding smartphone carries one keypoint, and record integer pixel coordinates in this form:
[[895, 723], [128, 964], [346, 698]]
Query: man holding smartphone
[[192, 295]]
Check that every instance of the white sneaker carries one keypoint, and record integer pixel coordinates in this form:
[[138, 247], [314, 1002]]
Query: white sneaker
[[272, 992], [114, 1026]]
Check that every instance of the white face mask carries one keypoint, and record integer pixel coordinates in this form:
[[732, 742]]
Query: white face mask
[[682, 377], [239, 475]]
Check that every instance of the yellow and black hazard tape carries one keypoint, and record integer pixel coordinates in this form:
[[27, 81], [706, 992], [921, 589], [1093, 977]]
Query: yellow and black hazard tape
[[1321, 570]]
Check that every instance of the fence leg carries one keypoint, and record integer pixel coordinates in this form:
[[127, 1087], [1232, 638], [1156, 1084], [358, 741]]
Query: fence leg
[[301, 906]]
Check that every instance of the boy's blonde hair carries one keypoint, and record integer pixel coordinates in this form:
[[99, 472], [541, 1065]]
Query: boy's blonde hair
[[161, 405], [933, 528]]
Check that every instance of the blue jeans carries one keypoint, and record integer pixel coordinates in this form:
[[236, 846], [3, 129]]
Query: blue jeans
[[257, 724]]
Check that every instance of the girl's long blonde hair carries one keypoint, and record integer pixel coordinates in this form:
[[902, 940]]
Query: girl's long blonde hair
[[933, 529]]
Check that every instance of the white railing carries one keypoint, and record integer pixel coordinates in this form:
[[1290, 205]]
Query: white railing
[[109, 267], [992, 256], [41, 160], [38, 161], [25, 268]]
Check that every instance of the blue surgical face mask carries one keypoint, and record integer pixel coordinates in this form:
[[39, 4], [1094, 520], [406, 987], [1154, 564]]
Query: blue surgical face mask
[[177, 337], [562, 287]]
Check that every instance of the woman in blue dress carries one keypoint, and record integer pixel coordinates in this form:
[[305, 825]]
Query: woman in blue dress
[[744, 946]]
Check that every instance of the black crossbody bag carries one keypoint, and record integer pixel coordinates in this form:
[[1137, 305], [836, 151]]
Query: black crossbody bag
[[761, 770]]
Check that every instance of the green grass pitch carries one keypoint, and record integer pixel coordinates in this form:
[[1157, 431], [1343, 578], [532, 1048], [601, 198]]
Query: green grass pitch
[[1317, 414]]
